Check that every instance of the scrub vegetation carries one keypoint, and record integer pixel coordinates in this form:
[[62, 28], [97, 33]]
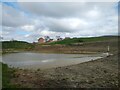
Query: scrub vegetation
[[7, 74]]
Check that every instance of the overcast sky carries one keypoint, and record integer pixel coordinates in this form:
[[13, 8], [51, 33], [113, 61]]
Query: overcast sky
[[30, 20]]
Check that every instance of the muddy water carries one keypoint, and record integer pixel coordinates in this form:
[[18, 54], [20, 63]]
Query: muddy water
[[43, 60]]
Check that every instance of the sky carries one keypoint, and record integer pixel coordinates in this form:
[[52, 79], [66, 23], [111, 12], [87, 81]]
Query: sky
[[28, 21]]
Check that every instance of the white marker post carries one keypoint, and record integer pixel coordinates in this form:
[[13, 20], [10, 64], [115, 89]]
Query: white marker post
[[108, 49]]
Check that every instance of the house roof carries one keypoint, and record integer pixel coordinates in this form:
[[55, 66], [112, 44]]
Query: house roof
[[40, 38]]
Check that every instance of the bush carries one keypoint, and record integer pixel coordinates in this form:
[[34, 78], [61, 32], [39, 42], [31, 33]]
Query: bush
[[7, 74], [16, 45]]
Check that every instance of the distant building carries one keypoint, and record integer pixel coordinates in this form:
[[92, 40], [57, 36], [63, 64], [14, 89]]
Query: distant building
[[34, 43], [41, 40], [59, 39], [50, 40]]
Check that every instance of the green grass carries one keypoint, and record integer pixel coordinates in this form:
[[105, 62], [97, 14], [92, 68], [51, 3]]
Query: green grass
[[66, 41], [0, 75], [7, 74], [79, 40], [16, 45]]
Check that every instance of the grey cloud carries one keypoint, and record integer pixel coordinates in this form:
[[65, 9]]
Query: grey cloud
[[0, 14], [32, 37], [8, 32], [51, 9], [57, 25], [13, 18], [63, 9]]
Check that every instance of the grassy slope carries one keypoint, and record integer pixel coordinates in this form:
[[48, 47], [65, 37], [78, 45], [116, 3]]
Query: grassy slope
[[16, 45], [79, 40], [7, 74]]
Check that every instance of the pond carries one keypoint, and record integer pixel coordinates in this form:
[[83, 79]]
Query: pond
[[43, 60]]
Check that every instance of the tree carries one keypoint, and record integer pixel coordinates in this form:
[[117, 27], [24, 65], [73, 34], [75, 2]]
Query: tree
[[47, 38]]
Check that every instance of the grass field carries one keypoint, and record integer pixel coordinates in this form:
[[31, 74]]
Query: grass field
[[0, 75], [80, 40], [16, 45], [7, 74]]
